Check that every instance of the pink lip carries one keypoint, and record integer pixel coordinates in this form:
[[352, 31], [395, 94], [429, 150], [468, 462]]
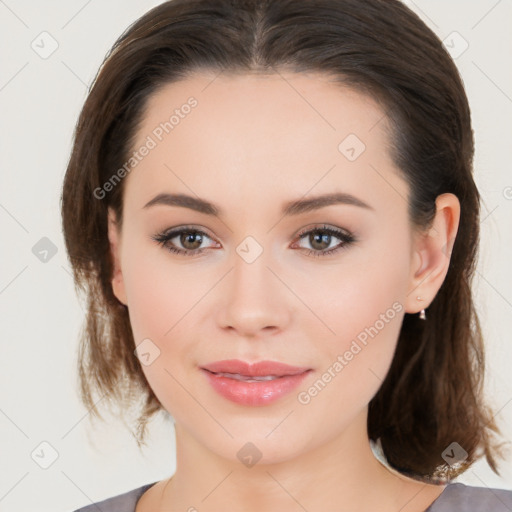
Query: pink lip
[[253, 393], [258, 369]]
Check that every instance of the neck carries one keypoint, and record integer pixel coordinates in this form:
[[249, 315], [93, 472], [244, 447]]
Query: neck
[[342, 474]]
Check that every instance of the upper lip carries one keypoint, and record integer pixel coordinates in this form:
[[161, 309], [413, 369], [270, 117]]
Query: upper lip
[[258, 369]]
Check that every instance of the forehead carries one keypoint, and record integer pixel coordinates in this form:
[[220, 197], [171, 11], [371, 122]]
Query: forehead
[[281, 132], [262, 104]]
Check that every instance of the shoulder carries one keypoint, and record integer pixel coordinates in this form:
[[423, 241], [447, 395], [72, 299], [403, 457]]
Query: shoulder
[[125, 502], [461, 497]]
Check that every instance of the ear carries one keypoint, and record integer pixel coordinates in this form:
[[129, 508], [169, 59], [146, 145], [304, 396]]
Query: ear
[[431, 254], [114, 237]]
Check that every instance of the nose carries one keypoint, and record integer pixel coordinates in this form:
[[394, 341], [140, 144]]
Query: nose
[[254, 298]]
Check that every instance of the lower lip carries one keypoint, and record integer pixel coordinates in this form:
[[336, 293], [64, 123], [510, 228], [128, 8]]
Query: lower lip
[[254, 393]]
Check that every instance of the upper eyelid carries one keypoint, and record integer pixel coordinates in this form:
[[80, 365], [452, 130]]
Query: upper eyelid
[[310, 227], [323, 227], [172, 232]]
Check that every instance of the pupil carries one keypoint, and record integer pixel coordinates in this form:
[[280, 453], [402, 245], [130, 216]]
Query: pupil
[[325, 238], [186, 237]]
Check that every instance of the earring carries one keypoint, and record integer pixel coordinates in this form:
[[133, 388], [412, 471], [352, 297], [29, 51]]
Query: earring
[[423, 316]]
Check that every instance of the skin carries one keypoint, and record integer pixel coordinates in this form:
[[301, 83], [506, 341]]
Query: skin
[[252, 143]]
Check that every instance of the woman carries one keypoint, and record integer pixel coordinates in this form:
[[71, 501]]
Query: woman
[[271, 209]]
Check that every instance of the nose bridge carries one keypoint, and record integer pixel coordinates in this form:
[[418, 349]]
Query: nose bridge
[[250, 272], [255, 298]]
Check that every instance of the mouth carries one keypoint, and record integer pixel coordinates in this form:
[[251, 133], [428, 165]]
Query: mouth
[[267, 369], [247, 378], [255, 384]]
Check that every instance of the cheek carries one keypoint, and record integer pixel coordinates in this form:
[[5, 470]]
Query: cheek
[[151, 303], [159, 293], [365, 312], [160, 297], [358, 311], [163, 301]]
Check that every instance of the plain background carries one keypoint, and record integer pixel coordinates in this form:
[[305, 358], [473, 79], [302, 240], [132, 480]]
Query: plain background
[[41, 316]]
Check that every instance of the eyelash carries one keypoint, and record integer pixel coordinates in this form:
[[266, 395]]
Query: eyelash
[[164, 237]]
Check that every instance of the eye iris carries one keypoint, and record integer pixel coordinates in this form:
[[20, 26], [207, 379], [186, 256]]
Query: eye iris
[[324, 240], [190, 236]]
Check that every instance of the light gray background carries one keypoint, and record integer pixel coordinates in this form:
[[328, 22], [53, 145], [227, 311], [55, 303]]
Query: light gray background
[[40, 100]]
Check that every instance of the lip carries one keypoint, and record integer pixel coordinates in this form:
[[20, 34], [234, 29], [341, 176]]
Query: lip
[[258, 369], [253, 393]]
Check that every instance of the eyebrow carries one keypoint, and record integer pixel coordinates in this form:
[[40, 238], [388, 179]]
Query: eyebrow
[[295, 207]]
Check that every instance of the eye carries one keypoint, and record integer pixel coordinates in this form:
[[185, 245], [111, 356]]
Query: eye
[[320, 239], [189, 238]]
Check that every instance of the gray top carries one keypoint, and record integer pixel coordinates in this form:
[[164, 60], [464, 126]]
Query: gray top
[[456, 497]]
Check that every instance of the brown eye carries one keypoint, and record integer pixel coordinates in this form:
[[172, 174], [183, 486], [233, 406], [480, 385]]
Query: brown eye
[[191, 240], [320, 240], [185, 241]]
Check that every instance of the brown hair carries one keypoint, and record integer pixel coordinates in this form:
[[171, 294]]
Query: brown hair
[[432, 395]]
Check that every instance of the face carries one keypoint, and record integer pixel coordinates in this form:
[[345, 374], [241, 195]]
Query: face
[[319, 288]]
